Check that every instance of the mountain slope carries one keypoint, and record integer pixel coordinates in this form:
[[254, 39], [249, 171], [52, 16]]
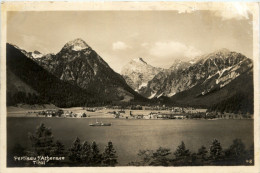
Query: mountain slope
[[209, 72], [193, 96], [78, 64], [32, 55], [138, 73], [164, 83], [49, 89], [222, 81], [16, 85]]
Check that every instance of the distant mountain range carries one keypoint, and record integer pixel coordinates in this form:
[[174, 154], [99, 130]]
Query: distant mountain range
[[203, 81], [209, 71], [77, 75]]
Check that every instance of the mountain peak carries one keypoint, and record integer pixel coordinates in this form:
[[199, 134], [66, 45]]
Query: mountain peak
[[77, 44], [179, 64], [223, 50], [139, 60], [36, 54]]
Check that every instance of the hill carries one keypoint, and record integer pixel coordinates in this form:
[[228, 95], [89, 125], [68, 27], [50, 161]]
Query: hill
[[38, 85]]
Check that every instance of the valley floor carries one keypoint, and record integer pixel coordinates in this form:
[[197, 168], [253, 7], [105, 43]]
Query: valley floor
[[52, 111], [100, 113]]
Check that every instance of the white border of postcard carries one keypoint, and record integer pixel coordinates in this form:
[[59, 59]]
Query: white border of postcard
[[181, 7]]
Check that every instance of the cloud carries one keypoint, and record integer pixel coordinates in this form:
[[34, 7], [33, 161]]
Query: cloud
[[235, 10], [171, 49], [133, 35], [32, 43], [119, 45], [145, 44], [230, 10]]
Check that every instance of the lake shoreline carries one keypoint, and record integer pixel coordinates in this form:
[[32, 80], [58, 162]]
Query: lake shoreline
[[103, 112]]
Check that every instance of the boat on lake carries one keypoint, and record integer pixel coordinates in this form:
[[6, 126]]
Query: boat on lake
[[100, 124]]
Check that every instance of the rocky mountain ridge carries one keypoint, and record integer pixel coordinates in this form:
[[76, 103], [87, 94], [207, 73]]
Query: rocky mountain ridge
[[138, 73], [29, 83], [210, 71], [78, 64], [203, 81]]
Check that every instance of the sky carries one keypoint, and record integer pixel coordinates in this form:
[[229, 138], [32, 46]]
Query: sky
[[159, 37]]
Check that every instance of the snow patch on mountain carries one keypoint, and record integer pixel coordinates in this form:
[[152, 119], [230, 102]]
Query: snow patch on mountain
[[192, 62], [144, 84], [37, 54], [224, 84], [76, 45], [231, 76], [223, 70], [159, 95], [171, 94], [152, 95], [77, 48], [208, 72]]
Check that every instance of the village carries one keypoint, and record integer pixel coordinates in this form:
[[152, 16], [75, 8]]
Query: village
[[138, 112]]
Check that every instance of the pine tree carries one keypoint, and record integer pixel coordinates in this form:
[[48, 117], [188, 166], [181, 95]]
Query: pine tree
[[17, 150], [236, 151], [86, 153], [96, 156], [237, 148], [181, 151], [215, 150], [109, 155], [145, 156], [160, 157], [202, 152], [59, 149], [75, 151], [182, 155], [42, 141]]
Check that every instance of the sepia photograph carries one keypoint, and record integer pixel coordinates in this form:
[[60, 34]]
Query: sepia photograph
[[128, 84]]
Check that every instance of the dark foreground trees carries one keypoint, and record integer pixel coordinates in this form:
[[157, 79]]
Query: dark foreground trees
[[42, 141], [216, 153], [161, 157], [75, 151], [236, 154], [89, 154], [182, 156], [86, 154], [109, 155], [79, 154], [202, 154]]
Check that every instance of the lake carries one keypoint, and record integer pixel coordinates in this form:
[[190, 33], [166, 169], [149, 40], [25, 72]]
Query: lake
[[129, 136]]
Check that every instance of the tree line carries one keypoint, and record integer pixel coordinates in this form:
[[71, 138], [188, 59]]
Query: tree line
[[89, 154], [239, 103], [79, 154], [235, 154]]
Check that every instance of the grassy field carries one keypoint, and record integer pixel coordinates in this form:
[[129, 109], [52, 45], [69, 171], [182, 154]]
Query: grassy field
[[102, 113]]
